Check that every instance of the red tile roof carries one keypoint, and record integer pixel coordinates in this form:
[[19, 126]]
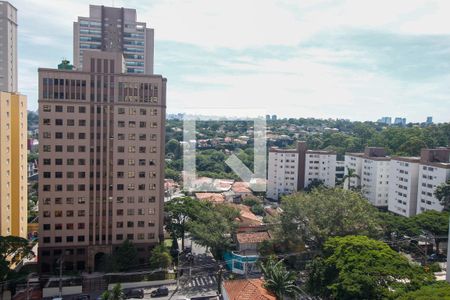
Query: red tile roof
[[211, 197], [252, 237], [247, 289]]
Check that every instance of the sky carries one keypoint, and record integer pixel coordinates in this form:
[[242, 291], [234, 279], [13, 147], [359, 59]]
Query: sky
[[356, 59]]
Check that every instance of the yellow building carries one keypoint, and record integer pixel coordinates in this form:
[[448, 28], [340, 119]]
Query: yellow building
[[13, 164]]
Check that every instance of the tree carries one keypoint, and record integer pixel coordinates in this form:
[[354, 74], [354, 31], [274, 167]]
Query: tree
[[357, 267], [442, 193], [179, 211], [12, 250], [160, 258], [213, 227], [126, 256], [279, 280], [115, 294], [314, 184], [434, 223], [314, 217], [437, 291], [351, 173]]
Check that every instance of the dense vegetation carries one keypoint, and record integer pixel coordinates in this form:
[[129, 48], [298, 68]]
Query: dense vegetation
[[351, 137]]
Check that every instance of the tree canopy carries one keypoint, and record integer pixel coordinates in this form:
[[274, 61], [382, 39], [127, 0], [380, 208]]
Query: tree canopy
[[313, 217], [436, 291], [357, 267], [12, 250], [160, 258]]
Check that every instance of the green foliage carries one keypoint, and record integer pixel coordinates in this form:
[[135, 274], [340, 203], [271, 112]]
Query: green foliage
[[172, 174], [278, 279], [160, 258], [212, 227], [395, 226], [251, 201], [435, 223], [122, 259], [314, 184], [437, 291], [115, 294], [12, 250], [435, 267], [351, 173], [258, 209], [314, 217], [179, 211], [442, 193], [357, 267]]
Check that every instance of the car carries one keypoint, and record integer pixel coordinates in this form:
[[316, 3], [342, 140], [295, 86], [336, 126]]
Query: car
[[160, 292], [134, 293], [437, 257]]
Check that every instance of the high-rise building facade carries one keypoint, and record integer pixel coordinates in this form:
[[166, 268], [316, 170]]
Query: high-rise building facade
[[8, 47], [101, 161], [434, 170], [403, 182], [291, 170], [114, 29], [13, 164]]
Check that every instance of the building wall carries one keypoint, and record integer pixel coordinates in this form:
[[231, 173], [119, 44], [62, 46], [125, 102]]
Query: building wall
[[403, 182], [375, 181], [101, 161], [8, 47], [429, 178], [115, 29], [13, 164], [354, 163], [320, 166], [282, 174]]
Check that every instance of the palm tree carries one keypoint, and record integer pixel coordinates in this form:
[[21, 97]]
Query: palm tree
[[279, 280], [351, 173]]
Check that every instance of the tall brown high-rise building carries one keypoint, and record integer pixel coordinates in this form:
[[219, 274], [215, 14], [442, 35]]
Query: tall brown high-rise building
[[101, 161]]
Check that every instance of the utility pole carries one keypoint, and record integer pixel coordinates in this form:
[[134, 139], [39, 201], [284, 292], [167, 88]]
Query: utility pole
[[219, 279]]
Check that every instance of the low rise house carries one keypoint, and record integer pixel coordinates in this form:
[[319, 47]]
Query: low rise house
[[214, 198], [246, 289], [248, 242]]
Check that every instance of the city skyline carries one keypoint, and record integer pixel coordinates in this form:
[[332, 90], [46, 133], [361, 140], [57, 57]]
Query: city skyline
[[322, 58]]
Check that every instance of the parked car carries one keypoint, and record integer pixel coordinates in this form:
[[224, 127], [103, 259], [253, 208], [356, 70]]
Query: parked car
[[437, 257], [160, 292], [134, 293]]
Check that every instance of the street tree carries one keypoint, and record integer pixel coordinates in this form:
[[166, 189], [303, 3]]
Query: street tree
[[433, 223], [442, 193], [160, 258], [12, 250], [436, 291], [314, 217], [351, 173], [357, 267]]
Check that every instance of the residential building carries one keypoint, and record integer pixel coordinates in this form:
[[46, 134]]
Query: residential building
[[246, 289], [8, 47], [434, 170], [400, 121], [340, 171], [429, 120], [101, 161], [385, 120], [291, 170], [372, 168], [117, 30], [13, 165], [403, 182], [320, 165]]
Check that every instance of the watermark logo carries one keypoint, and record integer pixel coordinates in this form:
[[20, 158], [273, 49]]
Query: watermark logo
[[255, 179]]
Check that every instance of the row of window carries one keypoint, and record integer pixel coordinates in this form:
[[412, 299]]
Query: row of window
[[81, 238], [82, 162], [82, 200], [81, 226], [83, 187], [130, 174], [82, 213], [60, 108]]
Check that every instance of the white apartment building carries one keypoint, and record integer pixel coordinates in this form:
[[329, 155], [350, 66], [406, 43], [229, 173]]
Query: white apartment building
[[372, 167], [353, 161], [403, 182], [320, 165], [291, 170], [434, 170], [282, 173]]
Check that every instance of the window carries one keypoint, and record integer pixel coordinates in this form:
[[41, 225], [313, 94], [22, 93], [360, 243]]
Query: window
[[70, 109], [47, 108], [59, 122]]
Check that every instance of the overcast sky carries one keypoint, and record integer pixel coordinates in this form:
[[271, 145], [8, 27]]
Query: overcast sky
[[326, 59]]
